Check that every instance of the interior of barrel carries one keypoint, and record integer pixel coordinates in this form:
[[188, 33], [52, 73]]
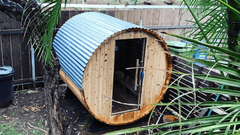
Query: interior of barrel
[[128, 53]]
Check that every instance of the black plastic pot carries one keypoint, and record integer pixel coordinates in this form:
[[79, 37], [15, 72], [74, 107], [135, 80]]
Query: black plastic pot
[[6, 85]]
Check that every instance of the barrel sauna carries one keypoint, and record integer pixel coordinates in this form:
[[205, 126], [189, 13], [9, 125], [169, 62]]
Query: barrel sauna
[[115, 68]]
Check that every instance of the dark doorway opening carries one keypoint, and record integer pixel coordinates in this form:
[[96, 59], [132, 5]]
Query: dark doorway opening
[[128, 83]]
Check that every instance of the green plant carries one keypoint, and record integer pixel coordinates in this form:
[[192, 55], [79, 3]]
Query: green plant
[[89, 116], [222, 38], [10, 129], [12, 114]]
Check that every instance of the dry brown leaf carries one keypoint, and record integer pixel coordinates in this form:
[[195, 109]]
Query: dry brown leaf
[[26, 108], [32, 91], [6, 117], [32, 108]]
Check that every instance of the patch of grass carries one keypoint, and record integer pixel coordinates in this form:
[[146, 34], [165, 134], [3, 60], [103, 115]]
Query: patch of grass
[[20, 91], [0, 117], [88, 119], [39, 123], [12, 114], [36, 132], [10, 129]]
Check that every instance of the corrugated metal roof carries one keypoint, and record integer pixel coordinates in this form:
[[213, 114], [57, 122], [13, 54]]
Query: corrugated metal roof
[[78, 38]]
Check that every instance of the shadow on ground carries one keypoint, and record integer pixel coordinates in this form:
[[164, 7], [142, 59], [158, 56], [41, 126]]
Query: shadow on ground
[[27, 115]]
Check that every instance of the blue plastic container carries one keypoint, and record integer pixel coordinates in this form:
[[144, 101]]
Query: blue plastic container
[[6, 85]]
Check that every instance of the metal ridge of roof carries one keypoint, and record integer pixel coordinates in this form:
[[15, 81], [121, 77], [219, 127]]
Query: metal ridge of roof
[[80, 36]]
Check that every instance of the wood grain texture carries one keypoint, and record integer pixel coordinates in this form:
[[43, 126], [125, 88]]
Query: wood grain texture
[[16, 50], [6, 43], [97, 87]]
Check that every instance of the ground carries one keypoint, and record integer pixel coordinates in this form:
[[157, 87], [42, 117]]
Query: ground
[[27, 114]]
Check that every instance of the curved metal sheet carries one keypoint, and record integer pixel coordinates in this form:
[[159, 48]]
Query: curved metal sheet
[[78, 38]]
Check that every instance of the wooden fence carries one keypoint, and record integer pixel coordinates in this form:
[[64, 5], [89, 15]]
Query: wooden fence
[[15, 52]]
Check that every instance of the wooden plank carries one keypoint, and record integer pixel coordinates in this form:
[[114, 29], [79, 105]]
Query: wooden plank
[[16, 50], [149, 17], [168, 20], [144, 17], [1, 50], [151, 64], [146, 73], [93, 84], [105, 72], [88, 90], [176, 16], [79, 12], [111, 13], [186, 15], [39, 67], [156, 15], [117, 14], [162, 17], [97, 72], [123, 15], [137, 15], [162, 65], [110, 69], [155, 59], [77, 92], [25, 49], [100, 78], [72, 13], [63, 18], [130, 16], [6, 41], [1, 44]]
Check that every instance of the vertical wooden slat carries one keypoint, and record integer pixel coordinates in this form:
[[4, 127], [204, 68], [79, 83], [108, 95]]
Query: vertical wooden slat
[[1, 50], [16, 50], [176, 16], [93, 84], [105, 71], [123, 15], [100, 78], [111, 13], [149, 17], [25, 52], [137, 14], [63, 18], [161, 22], [97, 81], [146, 72], [117, 14], [130, 16], [6, 41], [155, 17], [110, 69], [186, 15], [151, 62], [72, 13], [79, 12], [144, 17]]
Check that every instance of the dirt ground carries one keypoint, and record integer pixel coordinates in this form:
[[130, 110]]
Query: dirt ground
[[27, 115]]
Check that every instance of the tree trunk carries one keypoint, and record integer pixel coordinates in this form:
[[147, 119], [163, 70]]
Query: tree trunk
[[50, 78], [15, 9]]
